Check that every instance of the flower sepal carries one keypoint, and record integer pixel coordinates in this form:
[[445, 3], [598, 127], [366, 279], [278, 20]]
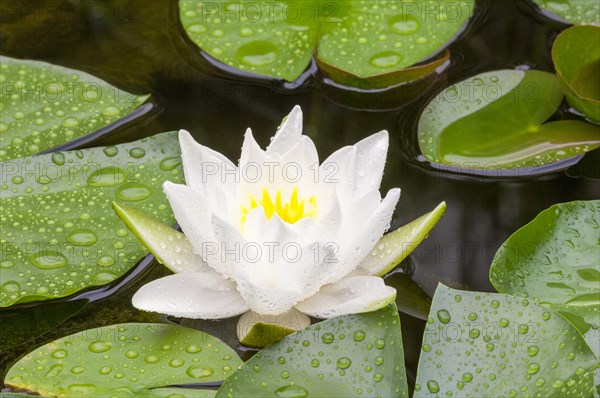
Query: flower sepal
[[258, 331]]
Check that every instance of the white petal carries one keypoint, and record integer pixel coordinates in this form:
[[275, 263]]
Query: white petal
[[263, 296], [340, 169], [192, 212], [288, 133], [291, 320], [199, 295], [351, 295], [203, 167], [365, 238], [370, 161], [304, 153]]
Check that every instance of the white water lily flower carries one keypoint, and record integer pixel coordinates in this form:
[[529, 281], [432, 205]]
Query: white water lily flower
[[278, 235]]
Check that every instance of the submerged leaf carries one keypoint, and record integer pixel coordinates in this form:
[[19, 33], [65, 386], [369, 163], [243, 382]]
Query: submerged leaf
[[346, 356], [496, 345], [123, 360], [60, 234], [20, 326], [360, 39], [576, 56], [495, 120], [411, 298], [573, 11], [554, 260], [44, 106]]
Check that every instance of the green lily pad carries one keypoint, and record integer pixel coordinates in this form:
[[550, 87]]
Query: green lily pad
[[578, 12], [576, 56], [346, 356], [44, 106], [496, 345], [495, 120], [363, 38], [554, 261], [394, 247], [123, 360], [59, 232]]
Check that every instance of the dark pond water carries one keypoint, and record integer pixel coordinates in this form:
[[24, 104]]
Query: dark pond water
[[138, 45]]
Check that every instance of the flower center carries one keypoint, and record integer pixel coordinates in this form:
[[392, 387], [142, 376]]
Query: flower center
[[290, 211]]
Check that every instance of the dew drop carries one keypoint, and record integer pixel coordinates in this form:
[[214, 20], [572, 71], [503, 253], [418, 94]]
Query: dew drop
[[82, 237], [443, 316], [433, 386], [198, 372], [105, 261], [176, 362], [99, 346], [257, 53], [111, 111], [59, 354], [110, 151], [193, 349], [385, 59], [137, 153], [344, 362], [404, 24], [533, 368], [58, 158], [133, 191], [106, 177], [328, 338], [170, 163], [294, 391], [48, 259], [359, 335]]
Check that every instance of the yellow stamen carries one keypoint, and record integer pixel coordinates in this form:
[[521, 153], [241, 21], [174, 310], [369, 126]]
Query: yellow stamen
[[291, 212]]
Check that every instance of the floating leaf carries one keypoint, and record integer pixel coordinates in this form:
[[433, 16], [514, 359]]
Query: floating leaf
[[576, 56], [573, 11], [60, 234], [496, 345], [397, 245], [346, 356], [123, 360], [494, 121], [360, 39], [44, 106], [554, 261], [383, 80]]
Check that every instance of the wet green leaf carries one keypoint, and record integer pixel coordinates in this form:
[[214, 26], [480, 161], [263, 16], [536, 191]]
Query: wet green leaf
[[356, 39], [398, 244], [60, 234], [44, 106], [346, 356], [123, 360], [496, 345], [576, 56], [554, 260], [495, 120], [578, 12]]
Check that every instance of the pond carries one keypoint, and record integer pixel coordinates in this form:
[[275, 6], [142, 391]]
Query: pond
[[141, 47]]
